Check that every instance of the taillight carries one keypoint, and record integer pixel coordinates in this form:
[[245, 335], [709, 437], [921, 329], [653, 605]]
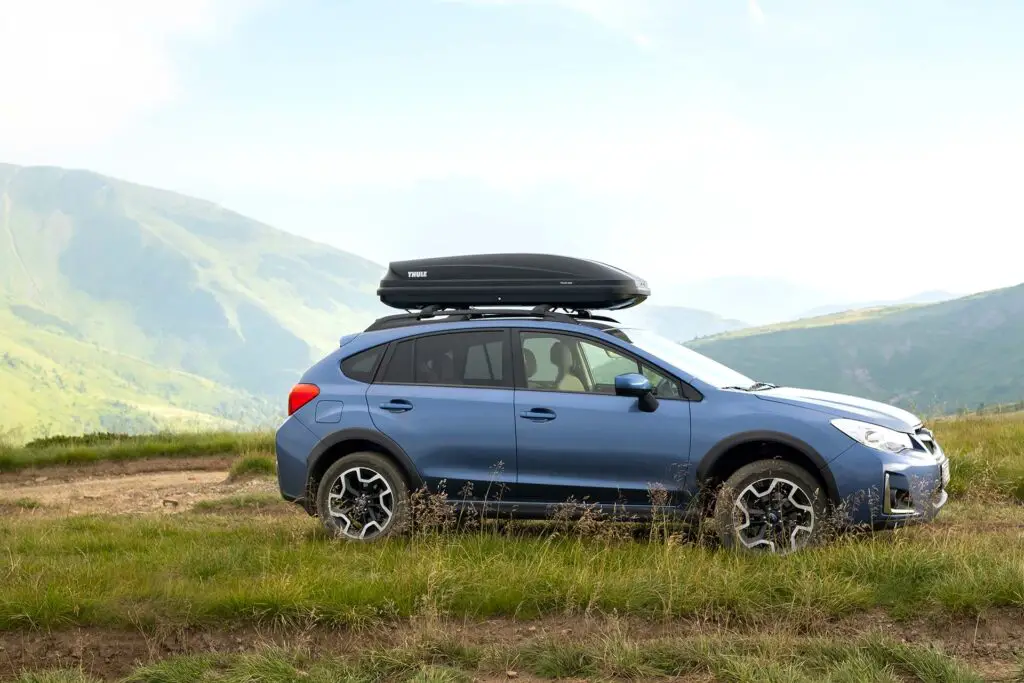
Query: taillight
[[301, 395]]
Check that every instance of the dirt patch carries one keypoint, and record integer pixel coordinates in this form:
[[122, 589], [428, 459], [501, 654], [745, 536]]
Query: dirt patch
[[166, 492], [987, 644]]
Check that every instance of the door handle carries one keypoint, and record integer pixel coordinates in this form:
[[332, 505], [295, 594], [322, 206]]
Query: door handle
[[538, 414], [398, 405]]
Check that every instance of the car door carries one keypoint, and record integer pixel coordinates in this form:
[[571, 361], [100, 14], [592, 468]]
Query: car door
[[576, 438], [447, 399]]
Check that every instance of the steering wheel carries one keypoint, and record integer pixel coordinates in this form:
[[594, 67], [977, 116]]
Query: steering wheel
[[666, 388]]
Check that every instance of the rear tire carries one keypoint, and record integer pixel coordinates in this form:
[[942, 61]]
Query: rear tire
[[363, 497], [770, 506]]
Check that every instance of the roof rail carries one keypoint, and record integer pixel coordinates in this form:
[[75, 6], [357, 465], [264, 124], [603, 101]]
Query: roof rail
[[439, 314]]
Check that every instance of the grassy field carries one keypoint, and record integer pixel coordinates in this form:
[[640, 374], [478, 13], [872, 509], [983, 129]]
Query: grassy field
[[203, 570], [253, 564]]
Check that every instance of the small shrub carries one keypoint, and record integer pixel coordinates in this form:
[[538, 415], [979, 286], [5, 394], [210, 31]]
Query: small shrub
[[254, 465]]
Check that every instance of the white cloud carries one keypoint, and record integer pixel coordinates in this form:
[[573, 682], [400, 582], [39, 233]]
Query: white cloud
[[636, 19], [755, 12], [74, 72]]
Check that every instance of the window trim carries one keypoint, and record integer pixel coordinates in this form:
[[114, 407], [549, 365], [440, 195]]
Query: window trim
[[687, 391], [507, 360]]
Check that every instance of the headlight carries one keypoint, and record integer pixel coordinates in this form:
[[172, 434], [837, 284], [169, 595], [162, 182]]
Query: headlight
[[873, 436]]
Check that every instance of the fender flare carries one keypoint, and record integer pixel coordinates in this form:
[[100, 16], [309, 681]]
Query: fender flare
[[385, 444], [716, 452]]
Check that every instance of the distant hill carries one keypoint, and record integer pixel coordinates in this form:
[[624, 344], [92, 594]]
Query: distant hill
[[935, 358], [756, 299], [208, 310], [677, 322], [930, 297]]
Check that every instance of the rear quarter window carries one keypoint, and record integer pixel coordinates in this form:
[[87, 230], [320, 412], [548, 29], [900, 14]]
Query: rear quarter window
[[362, 366]]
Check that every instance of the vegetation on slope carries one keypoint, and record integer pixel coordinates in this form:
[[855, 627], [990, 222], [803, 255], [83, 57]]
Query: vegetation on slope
[[938, 358], [132, 272], [53, 383]]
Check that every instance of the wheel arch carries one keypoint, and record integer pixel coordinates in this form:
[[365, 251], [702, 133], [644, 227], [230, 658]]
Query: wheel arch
[[732, 453], [337, 445]]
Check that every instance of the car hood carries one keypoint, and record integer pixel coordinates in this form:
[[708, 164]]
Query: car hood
[[841, 405]]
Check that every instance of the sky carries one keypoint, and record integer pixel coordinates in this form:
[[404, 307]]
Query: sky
[[862, 149]]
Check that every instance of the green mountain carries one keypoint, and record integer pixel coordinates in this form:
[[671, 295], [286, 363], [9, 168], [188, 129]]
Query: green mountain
[[144, 306], [933, 358], [929, 297]]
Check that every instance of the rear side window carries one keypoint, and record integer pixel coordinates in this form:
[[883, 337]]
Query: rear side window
[[362, 366], [471, 359]]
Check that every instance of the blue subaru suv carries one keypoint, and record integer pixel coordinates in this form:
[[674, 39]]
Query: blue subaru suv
[[500, 383]]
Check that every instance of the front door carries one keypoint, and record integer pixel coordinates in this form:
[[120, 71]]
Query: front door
[[578, 440], [447, 400]]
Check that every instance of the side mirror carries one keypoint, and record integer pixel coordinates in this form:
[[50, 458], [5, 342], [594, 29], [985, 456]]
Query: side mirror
[[636, 385], [632, 384]]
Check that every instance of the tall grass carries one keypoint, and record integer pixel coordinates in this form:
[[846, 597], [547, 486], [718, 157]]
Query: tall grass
[[211, 569], [254, 464], [95, 448], [986, 455]]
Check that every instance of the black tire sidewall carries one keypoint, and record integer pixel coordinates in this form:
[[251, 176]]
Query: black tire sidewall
[[761, 469], [378, 463]]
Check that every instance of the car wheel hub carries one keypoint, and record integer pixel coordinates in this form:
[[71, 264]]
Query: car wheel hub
[[773, 514], [361, 503]]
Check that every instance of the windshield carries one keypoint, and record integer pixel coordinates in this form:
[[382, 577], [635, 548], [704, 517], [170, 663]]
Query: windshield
[[687, 360]]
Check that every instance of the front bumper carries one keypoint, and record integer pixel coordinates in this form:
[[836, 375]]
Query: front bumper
[[912, 492], [885, 491]]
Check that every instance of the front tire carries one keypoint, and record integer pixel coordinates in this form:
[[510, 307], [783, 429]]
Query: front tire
[[362, 497], [770, 506]]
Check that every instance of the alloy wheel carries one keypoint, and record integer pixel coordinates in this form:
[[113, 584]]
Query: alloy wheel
[[361, 502], [774, 514]]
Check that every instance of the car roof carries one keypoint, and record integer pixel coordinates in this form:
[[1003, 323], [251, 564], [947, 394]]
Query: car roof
[[373, 337]]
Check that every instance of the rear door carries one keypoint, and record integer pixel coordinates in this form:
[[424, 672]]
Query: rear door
[[447, 399], [587, 443]]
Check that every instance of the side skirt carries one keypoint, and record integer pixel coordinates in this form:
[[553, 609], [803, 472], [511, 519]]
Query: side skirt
[[542, 511]]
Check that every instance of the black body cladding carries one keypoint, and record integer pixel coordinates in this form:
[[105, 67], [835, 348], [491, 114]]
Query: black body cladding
[[509, 280]]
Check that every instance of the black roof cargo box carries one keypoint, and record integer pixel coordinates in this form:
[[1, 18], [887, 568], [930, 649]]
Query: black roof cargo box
[[509, 280]]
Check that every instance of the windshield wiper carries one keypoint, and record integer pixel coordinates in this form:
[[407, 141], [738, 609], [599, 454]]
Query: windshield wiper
[[756, 386]]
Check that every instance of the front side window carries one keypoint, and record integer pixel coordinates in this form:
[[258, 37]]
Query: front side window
[[472, 359], [557, 362]]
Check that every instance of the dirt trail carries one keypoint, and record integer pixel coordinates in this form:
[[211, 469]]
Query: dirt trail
[[167, 492], [987, 644]]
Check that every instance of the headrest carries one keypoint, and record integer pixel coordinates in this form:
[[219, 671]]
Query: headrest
[[530, 361], [561, 356]]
